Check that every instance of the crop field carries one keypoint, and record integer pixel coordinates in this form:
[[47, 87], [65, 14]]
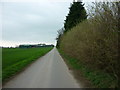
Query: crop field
[[15, 59]]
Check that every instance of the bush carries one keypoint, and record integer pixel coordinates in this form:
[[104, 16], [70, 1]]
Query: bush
[[95, 41]]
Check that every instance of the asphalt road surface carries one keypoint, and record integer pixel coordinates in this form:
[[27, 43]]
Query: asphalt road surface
[[49, 71]]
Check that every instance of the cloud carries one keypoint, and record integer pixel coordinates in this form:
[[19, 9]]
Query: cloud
[[33, 22]]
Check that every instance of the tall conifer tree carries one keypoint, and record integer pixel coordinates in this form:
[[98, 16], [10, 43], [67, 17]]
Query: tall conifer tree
[[77, 13]]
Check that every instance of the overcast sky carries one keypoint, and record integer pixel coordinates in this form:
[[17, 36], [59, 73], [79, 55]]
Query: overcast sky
[[32, 22]]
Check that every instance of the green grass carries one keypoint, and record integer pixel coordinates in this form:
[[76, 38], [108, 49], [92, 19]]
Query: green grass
[[0, 66], [98, 79], [94, 42], [14, 60]]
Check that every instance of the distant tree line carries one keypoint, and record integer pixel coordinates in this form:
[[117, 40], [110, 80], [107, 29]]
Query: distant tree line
[[35, 46]]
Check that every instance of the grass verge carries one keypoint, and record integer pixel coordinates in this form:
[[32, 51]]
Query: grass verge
[[98, 79], [14, 60]]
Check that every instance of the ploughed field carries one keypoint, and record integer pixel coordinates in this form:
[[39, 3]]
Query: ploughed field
[[15, 59]]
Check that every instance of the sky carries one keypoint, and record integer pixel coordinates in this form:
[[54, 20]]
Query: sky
[[31, 21]]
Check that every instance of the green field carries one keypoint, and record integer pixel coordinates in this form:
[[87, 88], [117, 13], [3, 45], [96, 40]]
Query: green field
[[15, 59]]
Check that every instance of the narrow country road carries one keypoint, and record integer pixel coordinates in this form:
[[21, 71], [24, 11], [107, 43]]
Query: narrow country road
[[50, 71]]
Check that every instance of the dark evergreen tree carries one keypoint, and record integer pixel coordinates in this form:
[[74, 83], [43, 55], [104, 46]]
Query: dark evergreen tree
[[76, 14]]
